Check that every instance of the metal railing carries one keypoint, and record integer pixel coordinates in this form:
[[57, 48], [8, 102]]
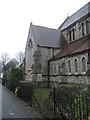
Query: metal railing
[[60, 103]]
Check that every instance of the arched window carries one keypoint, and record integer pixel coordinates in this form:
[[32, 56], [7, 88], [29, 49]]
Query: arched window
[[76, 65], [73, 34], [51, 69], [70, 36], [83, 64], [55, 68], [83, 29], [86, 27], [30, 43], [59, 68], [69, 66]]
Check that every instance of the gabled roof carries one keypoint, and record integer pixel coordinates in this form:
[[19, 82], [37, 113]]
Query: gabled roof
[[76, 16], [75, 47], [46, 37]]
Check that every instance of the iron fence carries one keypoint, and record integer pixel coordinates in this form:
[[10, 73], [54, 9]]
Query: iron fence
[[70, 105], [65, 104]]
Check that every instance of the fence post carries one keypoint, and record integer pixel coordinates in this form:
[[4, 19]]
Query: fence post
[[87, 106], [71, 107], [54, 102], [80, 115]]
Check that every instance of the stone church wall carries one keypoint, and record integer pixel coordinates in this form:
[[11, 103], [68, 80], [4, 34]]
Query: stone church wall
[[37, 57], [29, 52], [77, 27], [63, 74], [40, 66]]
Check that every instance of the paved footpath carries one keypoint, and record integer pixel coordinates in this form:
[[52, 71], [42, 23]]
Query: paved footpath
[[12, 106], [0, 101]]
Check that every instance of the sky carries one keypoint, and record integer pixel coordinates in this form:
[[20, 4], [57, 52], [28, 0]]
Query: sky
[[16, 16]]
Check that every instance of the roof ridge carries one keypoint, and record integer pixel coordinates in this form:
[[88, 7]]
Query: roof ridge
[[63, 22], [45, 27], [78, 14], [79, 9]]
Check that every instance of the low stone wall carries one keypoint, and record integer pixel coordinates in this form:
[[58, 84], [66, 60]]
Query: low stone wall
[[69, 79], [77, 79]]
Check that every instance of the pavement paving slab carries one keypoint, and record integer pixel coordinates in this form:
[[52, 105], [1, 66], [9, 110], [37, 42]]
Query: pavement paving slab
[[12, 106], [0, 101]]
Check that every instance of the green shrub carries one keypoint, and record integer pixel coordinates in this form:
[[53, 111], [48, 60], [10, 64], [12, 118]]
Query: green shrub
[[67, 96], [26, 90], [14, 76], [68, 89]]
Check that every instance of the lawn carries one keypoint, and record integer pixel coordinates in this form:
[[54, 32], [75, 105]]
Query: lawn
[[41, 94]]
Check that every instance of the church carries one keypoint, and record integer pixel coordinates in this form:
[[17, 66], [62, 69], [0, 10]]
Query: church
[[60, 55]]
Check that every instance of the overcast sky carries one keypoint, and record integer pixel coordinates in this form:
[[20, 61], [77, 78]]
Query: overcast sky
[[16, 15]]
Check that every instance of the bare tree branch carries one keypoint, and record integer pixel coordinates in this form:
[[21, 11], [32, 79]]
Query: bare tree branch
[[5, 58], [20, 57]]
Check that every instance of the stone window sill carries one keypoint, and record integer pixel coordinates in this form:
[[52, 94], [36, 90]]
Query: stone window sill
[[83, 73], [76, 73], [69, 73]]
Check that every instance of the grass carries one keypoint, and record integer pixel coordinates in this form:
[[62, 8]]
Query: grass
[[41, 94], [89, 106]]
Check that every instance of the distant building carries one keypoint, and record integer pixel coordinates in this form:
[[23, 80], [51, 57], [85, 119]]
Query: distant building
[[60, 55]]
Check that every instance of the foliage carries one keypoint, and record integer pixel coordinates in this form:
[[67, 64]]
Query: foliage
[[6, 65], [70, 88], [13, 63], [89, 99], [41, 101], [14, 76], [25, 90], [5, 58], [20, 57], [41, 94], [70, 99]]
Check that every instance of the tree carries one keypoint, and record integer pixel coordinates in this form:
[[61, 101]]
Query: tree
[[13, 63], [4, 58], [10, 64], [14, 76], [0, 68], [20, 57]]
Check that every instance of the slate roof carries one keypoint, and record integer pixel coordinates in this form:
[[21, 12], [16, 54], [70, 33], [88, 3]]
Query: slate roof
[[76, 16], [75, 47], [46, 37]]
